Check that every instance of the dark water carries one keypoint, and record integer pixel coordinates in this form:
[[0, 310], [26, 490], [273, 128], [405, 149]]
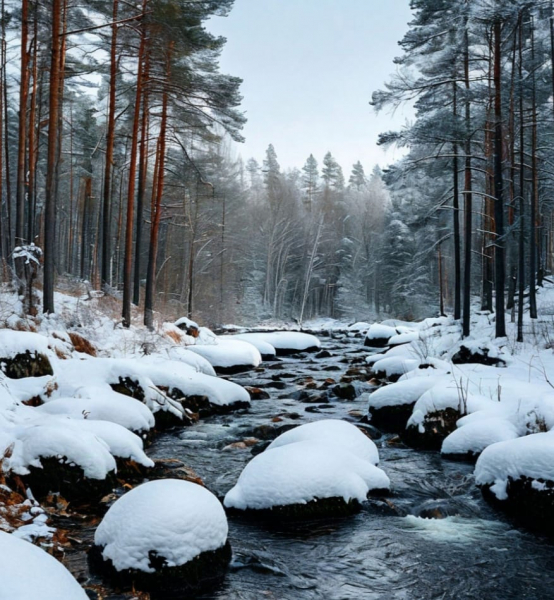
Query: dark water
[[385, 551]]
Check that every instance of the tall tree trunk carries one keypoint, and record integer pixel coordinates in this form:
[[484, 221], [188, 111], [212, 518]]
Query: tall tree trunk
[[106, 200], [128, 261], [22, 131], [468, 196], [456, 216], [521, 241], [533, 215], [500, 274], [154, 230], [50, 189], [143, 173], [33, 138]]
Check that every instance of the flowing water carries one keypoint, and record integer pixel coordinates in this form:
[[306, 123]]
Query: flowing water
[[388, 550]]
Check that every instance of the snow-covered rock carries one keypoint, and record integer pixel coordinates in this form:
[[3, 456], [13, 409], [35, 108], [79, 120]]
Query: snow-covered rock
[[332, 432], [167, 519], [302, 473], [229, 355], [393, 367], [467, 442], [24, 354], [266, 350], [378, 335], [391, 406], [28, 573], [286, 342], [106, 405]]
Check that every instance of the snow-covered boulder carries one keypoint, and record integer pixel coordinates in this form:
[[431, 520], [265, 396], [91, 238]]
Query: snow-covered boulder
[[305, 479], [436, 413], [286, 342], [391, 406], [468, 441], [28, 573], [391, 368], [266, 350], [106, 405], [378, 335], [518, 476], [54, 456], [229, 355], [164, 536], [191, 328], [24, 354], [332, 432]]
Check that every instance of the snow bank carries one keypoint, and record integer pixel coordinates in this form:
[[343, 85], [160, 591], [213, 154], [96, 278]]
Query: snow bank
[[106, 405], [332, 432], [13, 343], [531, 456], [193, 359], [29, 573], [176, 519], [302, 472]]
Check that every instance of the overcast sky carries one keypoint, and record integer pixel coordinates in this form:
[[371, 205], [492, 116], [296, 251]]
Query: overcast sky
[[309, 68]]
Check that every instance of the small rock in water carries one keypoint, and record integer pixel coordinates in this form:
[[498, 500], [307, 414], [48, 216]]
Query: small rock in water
[[256, 393], [345, 392], [323, 354]]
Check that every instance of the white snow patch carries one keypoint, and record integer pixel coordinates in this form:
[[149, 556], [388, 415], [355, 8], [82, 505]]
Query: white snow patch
[[29, 573]]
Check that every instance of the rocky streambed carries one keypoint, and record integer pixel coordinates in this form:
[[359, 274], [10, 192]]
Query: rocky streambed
[[433, 537]]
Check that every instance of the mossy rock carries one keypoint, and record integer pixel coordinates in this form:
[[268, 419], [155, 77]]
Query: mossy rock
[[527, 505], [391, 419], [202, 573], [58, 476], [438, 425], [26, 364]]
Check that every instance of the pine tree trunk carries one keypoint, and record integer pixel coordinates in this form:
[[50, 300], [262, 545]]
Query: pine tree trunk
[[22, 132], [521, 241], [156, 215], [110, 136], [468, 197], [128, 260], [500, 273], [533, 215], [52, 153], [143, 173], [456, 217]]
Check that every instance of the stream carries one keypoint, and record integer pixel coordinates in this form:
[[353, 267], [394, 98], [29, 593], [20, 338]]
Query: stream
[[387, 550]]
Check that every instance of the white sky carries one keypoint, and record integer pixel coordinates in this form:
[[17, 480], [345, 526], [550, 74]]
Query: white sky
[[309, 68]]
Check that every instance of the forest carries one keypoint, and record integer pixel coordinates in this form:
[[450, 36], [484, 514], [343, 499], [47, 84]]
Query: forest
[[223, 376]]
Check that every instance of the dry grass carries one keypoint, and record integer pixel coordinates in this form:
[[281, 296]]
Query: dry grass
[[81, 344]]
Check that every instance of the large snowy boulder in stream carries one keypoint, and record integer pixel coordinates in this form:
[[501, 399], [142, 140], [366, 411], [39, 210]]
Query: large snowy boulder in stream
[[378, 335], [305, 479], [518, 476], [331, 432], [192, 359], [266, 350], [285, 342], [391, 406], [29, 573], [229, 355], [164, 535]]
